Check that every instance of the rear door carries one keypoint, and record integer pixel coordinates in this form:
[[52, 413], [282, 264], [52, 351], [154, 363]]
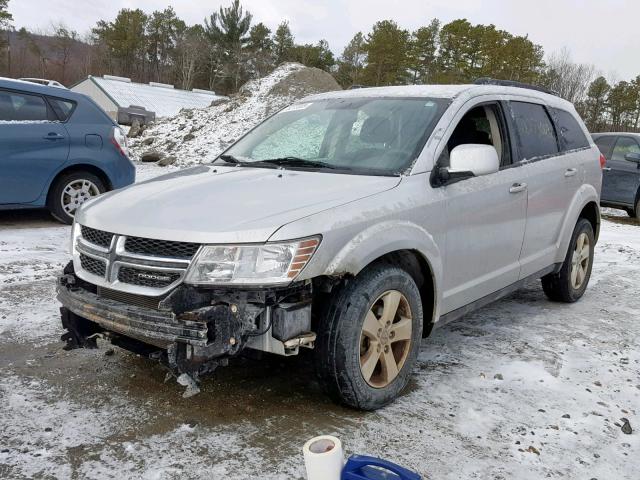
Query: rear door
[[552, 180], [606, 144], [623, 178], [33, 145]]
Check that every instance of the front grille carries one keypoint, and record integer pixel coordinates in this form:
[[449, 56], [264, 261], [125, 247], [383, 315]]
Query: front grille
[[161, 248], [97, 237], [92, 265], [131, 298], [146, 278]]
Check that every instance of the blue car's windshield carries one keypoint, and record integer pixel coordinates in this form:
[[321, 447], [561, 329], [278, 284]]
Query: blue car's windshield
[[379, 136]]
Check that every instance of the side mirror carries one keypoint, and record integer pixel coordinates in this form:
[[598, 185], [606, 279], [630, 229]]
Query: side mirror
[[473, 158], [632, 157]]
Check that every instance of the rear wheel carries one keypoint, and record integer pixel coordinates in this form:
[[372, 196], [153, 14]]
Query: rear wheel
[[370, 338], [570, 283], [72, 190], [634, 213]]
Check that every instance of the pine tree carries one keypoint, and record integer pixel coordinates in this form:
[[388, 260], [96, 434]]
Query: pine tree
[[283, 43], [260, 47], [227, 30], [387, 49], [595, 104], [422, 52], [352, 62]]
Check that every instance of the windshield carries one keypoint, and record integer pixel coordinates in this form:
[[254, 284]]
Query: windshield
[[369, 136]]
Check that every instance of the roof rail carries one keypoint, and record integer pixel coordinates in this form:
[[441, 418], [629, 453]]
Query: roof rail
[[511, 83]]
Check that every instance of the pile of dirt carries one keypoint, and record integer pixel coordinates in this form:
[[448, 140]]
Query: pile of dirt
[[199, 135]]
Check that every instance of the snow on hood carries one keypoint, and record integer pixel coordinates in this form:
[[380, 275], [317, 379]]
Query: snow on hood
[[210, 204]]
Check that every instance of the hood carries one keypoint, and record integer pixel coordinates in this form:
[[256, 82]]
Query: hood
[[212, 204]]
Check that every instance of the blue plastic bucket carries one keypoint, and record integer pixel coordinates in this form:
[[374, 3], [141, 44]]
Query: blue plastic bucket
[[360, 467]]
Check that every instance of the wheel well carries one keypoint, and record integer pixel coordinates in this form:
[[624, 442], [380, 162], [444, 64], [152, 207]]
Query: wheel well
[[591, 212], [81, 168], [417, 266]]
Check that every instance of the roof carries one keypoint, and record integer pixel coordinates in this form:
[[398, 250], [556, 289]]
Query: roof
[[39, 88], [441, 91], [603, 134], [160, 98]]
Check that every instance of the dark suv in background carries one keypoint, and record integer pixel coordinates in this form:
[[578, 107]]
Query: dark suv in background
[[621, 177], [57, 149]]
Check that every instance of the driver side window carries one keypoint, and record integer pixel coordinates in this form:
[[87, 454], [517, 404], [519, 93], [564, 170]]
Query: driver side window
[[482, 125]]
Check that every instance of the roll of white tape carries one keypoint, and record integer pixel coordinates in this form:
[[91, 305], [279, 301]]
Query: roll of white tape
[[323, 458]]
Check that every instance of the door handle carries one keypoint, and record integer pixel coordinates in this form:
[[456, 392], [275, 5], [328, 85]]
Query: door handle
[[606, 169], [570, 172], [53, 136], [518, 187]]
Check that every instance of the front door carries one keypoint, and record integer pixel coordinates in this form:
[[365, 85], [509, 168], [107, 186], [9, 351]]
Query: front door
[[32, 146], [486, 216]]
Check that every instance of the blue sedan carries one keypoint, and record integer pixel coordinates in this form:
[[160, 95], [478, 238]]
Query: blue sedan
[[57, 149]]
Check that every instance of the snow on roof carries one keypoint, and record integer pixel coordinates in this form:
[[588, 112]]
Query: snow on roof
[[440, 91], [160, 98]]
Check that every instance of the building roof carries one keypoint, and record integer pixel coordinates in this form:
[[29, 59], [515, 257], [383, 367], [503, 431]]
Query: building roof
[[163, 99]]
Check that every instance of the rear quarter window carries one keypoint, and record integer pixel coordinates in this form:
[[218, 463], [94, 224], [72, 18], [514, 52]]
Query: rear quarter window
[[63, 108], [535, 131], [572, 135]]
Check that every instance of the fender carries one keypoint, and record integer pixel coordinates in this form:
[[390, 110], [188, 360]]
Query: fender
[[585, 194], [365, 247]]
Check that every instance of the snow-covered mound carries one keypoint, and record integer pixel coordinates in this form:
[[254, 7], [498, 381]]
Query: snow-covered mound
[[199, 135]]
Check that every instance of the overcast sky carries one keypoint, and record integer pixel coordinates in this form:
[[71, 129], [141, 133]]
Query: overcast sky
[[603, 32]]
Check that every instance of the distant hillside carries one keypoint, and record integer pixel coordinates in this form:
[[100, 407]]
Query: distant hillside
[[66, 60]]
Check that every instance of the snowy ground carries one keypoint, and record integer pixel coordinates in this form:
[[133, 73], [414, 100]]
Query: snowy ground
[[523, 389]]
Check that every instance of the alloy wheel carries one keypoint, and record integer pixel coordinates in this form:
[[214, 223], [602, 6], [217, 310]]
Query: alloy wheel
[[580, 261], [385, 340]]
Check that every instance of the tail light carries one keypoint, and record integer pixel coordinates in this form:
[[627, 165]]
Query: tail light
[[603, 161], [119, 140]]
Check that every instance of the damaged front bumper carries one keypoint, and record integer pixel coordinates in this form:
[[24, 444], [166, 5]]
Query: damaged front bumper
[[191, 330]]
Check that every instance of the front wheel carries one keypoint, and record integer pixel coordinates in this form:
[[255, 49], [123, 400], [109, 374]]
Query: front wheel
[[370, 338], [70, 191], [570, 283]]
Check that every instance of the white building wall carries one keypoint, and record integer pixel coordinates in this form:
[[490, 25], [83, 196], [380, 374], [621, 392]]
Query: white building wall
[[88, 87]]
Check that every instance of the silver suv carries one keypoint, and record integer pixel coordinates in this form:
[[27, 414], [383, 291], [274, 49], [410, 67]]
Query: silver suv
[[353, 223]]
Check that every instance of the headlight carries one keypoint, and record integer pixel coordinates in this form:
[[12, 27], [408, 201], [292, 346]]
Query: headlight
[[75, 233], [270, 263]]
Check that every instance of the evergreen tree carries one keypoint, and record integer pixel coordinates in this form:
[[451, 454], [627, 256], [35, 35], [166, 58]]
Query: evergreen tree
[[318, 56], [261, 50], [387, 49], [595, 104], [162, 33], [283, 43], [352, 62], [422, 52], [227, 30]]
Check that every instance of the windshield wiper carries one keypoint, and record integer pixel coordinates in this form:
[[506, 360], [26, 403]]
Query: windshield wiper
[[300, 162], [230, 159]]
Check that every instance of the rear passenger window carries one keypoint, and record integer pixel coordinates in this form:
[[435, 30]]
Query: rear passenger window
[[572, 134], [605, 144], [535, 131], [22, 107], [63, 108]]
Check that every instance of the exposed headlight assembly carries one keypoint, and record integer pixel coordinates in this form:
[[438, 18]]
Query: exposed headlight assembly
[[265, 264]]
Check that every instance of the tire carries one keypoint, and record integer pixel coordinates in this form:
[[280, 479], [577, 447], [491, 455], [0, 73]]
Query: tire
[[63, 205], [634, 213], [342, 343], [564, 286]]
